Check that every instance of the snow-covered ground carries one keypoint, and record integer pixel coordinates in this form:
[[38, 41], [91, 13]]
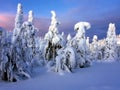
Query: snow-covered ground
[[100, 76]]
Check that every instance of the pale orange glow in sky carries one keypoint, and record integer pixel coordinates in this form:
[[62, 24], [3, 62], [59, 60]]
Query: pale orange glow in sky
[[7, 21], [3, 18]]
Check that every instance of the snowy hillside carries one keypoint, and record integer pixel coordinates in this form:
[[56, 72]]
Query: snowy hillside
[[101, 76]]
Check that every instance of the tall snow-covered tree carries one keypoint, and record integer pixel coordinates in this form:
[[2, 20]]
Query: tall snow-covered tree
[[79, 43], [30, 16], [94, 48], [18, 22], [53, 38], [111, 43], [69, 38], [29, 32]]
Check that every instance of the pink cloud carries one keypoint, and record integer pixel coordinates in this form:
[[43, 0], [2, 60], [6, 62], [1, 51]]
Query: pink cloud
[[7, 21]]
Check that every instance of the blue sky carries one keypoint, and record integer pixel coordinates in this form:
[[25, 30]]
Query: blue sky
[[98, 12]]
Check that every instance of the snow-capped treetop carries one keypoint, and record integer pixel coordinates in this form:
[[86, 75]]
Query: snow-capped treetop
[[19, 9], [53, 14], [88, 38], [54, 23], [111, 34], [111, 27], [18, 22], [111, 30], [62, 34], [95, 38], [53, 30], [19, 16], [87, 41], [30, 16], [69, 37], [80, 27]]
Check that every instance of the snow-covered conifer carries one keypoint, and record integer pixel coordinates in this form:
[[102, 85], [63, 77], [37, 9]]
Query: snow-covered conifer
[[18, 22], [94, 47], [65, 60], [79, 43], [69, 39], [30, 16], [53, 38], [111, 43], [88, 42]]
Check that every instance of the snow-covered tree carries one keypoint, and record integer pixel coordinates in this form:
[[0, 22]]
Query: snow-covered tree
[[23, 54], [65, 60], [21, 51], [53, 38], [6, 69], [28, 42], [18, 22], [30, 16], [88, 42], [94, 48], [69, 38], [111, 43], [79, 43], [70, 58]]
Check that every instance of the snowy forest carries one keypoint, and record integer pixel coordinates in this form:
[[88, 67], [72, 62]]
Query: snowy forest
[[24, 50]]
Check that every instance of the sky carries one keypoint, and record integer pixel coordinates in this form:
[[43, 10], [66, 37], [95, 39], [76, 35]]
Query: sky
[[98, 12]]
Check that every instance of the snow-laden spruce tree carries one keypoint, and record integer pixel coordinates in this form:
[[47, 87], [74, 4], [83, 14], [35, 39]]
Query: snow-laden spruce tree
[[53, 38], [94, 48], [3, 45], [20, 56], [5, 57], [7, 62], [32, 52], [88, 42], [18, 22], [17, 59], [69, 38], [79, 43], [29, 32], [88, 52], [111, 44], [64, 61]]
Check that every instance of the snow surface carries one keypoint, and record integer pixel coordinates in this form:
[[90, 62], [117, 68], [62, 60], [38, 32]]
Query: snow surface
[[101, 76]]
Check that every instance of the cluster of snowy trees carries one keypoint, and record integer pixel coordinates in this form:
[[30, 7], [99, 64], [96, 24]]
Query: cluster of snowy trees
[[20, 54], [26, 50], [106, 49]]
